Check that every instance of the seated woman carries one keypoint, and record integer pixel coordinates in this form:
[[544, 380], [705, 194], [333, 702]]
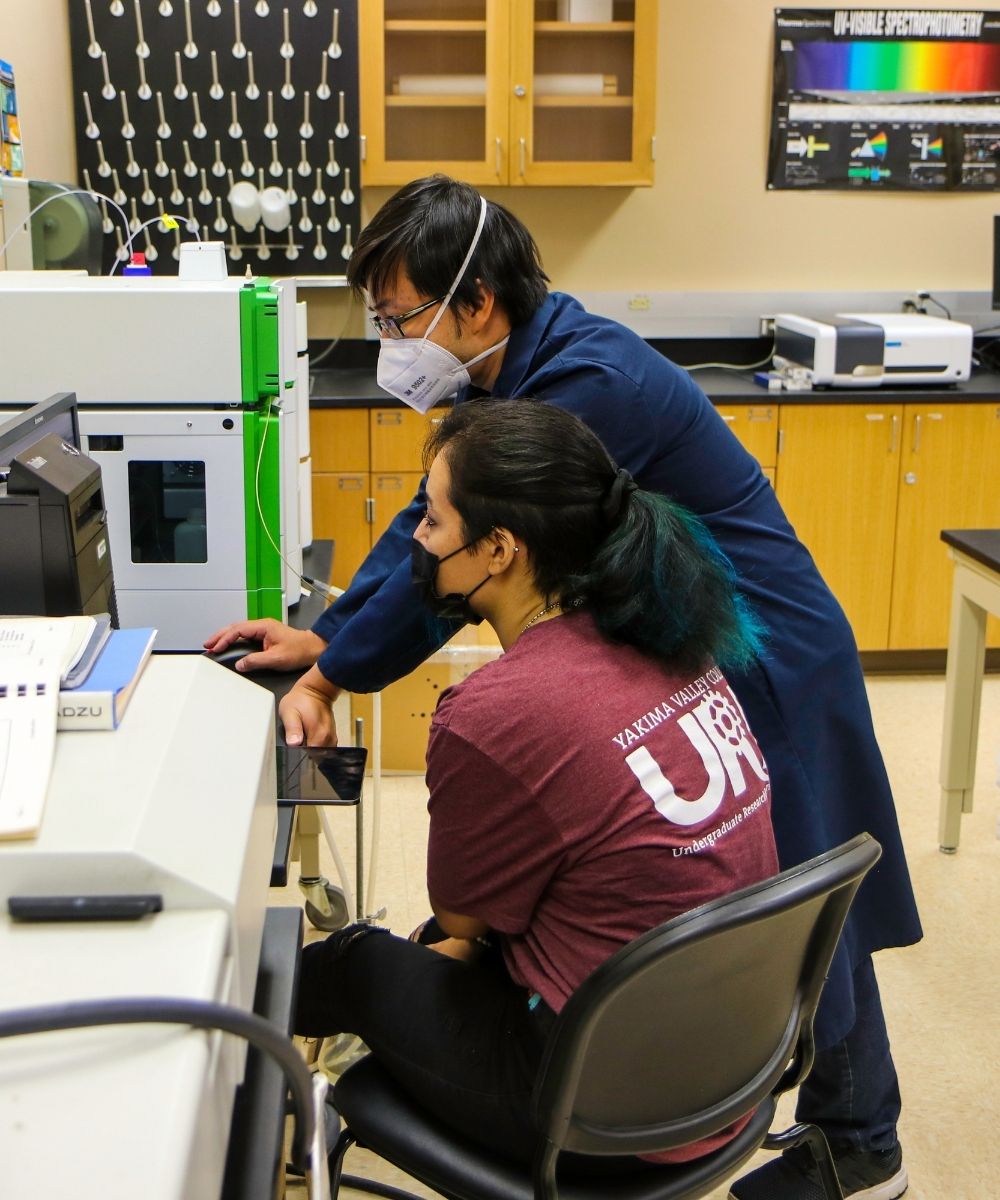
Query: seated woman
[[596, 780]]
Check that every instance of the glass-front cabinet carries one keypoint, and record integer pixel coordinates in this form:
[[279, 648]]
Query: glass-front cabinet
[[543, 92]]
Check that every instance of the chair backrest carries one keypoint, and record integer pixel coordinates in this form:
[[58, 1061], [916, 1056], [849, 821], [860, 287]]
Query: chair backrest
[[691, 1025]]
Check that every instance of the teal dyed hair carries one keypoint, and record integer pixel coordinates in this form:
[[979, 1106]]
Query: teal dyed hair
[[650, 572]]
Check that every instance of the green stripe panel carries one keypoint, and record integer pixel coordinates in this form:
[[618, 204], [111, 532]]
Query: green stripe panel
[[264, 581]]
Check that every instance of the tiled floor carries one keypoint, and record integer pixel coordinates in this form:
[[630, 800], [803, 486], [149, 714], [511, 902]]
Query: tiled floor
[[940, 996]]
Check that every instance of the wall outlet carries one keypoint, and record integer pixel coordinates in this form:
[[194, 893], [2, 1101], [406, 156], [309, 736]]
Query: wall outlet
[[639, 303], [766, 327]]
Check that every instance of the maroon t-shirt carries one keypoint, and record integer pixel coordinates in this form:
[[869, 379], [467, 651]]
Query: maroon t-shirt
[[581, 794]]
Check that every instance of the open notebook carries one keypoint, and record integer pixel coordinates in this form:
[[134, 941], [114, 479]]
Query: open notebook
[[36, 655]]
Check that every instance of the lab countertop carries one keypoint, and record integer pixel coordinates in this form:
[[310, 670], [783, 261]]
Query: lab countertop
[[355, 387]]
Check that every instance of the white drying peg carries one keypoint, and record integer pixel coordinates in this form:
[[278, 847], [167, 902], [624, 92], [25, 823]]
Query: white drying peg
[[305, 129], [190, 46], [94, 46], [134, 222], [128, 129], [147, 196], [107, 225], [319, 196], [319, 250], [239, 49], [192, 221], [262, 8], [121, 253], [189, 169], [288, 88], [118, 192], [108, 89], [220, 224], [290, 192], [163, 129], [304, 169], [270, 129], [333, 221], [180, 87], [199, 129], [235, 128], [176, 195], [286, 49], [117, 8], [340, 129], [152, 254], [175, 253], [160, 167], [90, 129], [291, 250], [144, 92], [347, 249], [218, 166], [246, 166], [346, 195], [263, 250], [334, 50], [252, 91], [142, 46], [205, 195], [305, 221], [214, 8], [235, 253], [103, 166], [165, 8], [276, 169], [310, 8], [216, 91], [323, 89], [131, 167], [332, 166], [86, 180]]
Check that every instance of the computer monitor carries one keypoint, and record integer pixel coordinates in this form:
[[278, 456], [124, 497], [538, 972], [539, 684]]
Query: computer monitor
[[58, 414]]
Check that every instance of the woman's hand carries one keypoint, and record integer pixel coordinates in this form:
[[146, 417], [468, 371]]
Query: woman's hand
[[282, 648], [306, 712]]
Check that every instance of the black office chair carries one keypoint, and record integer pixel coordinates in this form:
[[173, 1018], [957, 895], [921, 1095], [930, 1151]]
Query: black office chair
[[680, 1033]]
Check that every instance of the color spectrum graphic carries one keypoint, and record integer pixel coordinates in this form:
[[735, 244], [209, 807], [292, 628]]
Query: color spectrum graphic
[[950, 68]]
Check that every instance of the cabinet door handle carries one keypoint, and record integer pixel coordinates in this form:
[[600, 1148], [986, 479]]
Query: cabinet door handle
[[728, 417], [918, 422], [364, 146], [370, 510], [781, 439], [522, 154], [499, 157], [894, 435]]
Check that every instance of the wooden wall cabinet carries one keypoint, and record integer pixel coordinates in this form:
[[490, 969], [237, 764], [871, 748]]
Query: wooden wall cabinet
[[502, 92]]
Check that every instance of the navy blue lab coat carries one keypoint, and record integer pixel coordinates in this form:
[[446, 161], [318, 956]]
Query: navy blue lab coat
[[805, 699]]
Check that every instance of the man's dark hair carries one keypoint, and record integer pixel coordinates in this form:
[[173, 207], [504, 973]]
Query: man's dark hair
[[426, 229]]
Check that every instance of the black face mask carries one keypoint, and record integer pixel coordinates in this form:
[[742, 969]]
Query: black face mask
[[455, 605]]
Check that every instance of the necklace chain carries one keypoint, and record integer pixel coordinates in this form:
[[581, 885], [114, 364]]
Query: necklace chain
[[538, 615]]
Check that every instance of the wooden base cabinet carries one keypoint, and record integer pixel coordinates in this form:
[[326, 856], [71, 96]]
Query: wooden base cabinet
[[869, 487], [949, 479], [838, 467]]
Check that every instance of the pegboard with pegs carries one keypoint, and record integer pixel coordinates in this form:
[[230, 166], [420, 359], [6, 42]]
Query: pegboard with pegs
[[240, 117]]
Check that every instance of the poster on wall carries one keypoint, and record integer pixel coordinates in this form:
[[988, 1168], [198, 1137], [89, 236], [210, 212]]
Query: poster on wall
[[11, 155], [885, 99]]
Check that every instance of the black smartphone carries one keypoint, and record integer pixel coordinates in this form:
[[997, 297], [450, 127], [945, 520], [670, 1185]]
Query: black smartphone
[[321, 774]]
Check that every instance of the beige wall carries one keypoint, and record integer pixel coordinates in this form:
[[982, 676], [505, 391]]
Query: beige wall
[[709, 222]]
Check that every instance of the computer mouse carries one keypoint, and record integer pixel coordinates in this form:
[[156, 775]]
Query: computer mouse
[[232, 654]]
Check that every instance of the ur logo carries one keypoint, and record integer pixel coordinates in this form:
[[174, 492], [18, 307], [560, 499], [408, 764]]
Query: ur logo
[[717, 729]]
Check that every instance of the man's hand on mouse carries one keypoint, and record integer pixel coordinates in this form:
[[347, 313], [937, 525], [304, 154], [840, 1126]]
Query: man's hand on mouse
[[282, 648], [306, 711]]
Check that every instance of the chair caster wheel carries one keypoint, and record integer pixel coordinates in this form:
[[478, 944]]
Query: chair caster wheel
[[338, 916]]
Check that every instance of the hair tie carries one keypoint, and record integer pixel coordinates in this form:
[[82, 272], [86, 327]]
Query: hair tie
[[622, 486]]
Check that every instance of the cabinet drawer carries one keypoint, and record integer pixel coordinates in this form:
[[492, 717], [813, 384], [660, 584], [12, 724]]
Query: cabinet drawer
[[338, 439], [398, 436], [756, 426]]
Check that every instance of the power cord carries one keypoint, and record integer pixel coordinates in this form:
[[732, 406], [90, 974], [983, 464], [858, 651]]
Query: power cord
[[157, 1010]]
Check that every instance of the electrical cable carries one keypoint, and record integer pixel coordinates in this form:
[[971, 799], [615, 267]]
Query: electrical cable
[[126, 253], [65, 191], [329, 349], [933, 299], [171, 1010], [735, 366]]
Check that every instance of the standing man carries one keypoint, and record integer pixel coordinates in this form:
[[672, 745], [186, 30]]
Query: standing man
[[458, 295]]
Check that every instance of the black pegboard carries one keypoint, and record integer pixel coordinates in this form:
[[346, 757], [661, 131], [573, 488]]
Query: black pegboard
[[170, 30]]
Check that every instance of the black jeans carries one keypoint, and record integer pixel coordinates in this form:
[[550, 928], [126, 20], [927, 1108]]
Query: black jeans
[[459, 1037]]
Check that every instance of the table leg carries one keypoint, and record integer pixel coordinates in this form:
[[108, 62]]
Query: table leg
[[963, 692]]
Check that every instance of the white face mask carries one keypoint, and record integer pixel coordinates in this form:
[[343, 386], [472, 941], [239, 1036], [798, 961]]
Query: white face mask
[[420, 372]]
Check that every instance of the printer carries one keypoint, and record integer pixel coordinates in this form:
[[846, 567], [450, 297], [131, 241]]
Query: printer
[[869, 349]]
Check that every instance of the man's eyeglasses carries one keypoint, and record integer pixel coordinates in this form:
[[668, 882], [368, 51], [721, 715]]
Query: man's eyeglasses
[[392, 326]]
